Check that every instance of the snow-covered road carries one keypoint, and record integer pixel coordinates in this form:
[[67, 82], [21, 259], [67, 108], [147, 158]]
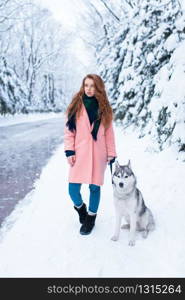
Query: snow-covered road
[[41, 238], [25, 148]]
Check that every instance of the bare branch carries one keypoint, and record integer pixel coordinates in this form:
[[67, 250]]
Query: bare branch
[[110, 10], [97, 12], [130, 3], [10, 15], [4, 3], [7, 29]]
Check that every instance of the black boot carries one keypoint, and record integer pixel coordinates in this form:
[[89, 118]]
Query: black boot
[[88, 225], [82, 211]]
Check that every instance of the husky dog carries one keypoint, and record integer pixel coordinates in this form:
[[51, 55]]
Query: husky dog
[[129, 203]]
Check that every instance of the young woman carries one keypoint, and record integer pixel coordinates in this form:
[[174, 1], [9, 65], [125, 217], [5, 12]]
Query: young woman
[[89, 144]]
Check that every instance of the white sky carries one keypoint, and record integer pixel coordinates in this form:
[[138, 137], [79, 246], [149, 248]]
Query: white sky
[[63, 11]]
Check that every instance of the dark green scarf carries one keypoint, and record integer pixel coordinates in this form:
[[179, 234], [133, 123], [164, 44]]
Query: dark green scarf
[[92, 106]]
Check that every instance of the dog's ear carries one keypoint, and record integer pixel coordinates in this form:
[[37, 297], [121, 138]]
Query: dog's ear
[[116, 164], [129, 164]]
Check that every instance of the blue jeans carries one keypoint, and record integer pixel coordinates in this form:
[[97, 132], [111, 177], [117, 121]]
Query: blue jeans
[[94, 199]]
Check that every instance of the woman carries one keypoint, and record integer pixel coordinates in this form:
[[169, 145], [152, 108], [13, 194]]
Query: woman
[[89, 145]]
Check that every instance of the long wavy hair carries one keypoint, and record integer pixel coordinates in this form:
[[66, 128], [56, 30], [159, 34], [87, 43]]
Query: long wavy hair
[[105, 112]]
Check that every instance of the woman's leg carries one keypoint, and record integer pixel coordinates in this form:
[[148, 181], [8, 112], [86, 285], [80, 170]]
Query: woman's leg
[[74, 192], [94, 201], [94, 197], [79, 206]]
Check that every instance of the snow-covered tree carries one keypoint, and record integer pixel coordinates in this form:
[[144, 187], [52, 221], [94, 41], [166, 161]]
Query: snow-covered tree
[[35, 47], [13, 96], [143, 44]]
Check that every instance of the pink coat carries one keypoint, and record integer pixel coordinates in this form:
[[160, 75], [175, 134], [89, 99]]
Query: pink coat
[[91, 155]]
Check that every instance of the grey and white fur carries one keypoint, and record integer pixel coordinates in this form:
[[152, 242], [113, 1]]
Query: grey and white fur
[[129, 202]]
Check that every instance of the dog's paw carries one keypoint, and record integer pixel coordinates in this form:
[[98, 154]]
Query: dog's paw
[[145, 234], [125, 226], [114, 238], [131, 243]]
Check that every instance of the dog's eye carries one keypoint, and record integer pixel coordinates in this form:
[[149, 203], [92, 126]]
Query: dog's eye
[[118, 176], [126, 176]]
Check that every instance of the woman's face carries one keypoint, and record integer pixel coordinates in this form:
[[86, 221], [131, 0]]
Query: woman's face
[[89, 87]]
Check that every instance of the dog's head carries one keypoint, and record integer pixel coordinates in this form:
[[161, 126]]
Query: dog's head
[[123, 177]]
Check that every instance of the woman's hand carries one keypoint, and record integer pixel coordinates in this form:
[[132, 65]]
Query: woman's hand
[[71, 160]]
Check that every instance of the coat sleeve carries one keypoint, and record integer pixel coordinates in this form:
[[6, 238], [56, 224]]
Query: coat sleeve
[[110, 141], [69, 138]]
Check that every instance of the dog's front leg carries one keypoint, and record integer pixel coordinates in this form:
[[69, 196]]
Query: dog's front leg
[[115, 237], [132, 229]]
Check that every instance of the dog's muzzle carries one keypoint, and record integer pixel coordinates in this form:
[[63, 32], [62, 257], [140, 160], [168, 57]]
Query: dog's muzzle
[[121, 184]]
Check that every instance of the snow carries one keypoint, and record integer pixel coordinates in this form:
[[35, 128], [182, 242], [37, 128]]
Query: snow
[[9, 119], [41, 237]]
